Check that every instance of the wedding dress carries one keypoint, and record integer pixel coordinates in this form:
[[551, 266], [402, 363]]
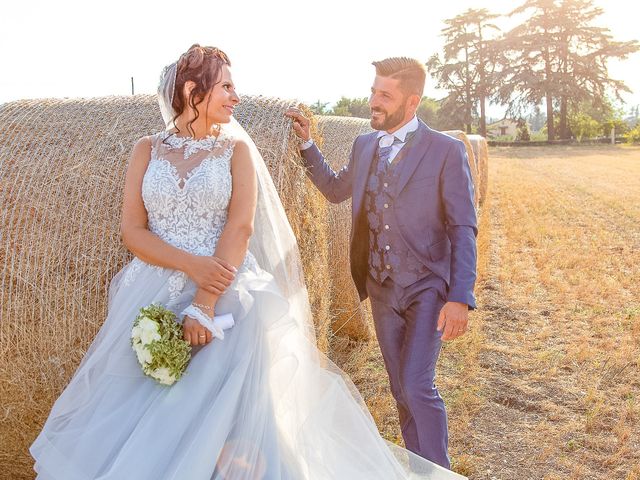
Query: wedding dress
[[263, 403]]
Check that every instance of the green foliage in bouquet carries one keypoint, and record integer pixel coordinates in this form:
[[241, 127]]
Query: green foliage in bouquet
[[156, 337]]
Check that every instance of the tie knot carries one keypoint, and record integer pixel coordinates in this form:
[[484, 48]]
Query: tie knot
[[388, 140]]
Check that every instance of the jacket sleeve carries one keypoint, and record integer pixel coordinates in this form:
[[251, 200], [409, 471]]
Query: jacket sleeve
[[461, 224], [336, 187]]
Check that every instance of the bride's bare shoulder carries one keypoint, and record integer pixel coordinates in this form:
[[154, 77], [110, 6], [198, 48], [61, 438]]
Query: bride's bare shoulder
[[240, 148], [141, 152]]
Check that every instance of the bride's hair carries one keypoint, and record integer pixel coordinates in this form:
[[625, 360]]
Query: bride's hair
[[201, 65]]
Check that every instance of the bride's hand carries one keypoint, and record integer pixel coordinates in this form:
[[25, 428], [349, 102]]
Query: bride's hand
[[211, 273], [194, 333]]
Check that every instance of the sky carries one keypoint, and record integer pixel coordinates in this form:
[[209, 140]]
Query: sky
[[300, 50]]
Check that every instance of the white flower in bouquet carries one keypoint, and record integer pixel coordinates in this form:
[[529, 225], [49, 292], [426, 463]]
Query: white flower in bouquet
[[148, 329], [163, 375], [143, 354], [156, 338]]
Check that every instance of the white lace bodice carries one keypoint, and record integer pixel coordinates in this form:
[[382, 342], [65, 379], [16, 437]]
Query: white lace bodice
[[186, 191]]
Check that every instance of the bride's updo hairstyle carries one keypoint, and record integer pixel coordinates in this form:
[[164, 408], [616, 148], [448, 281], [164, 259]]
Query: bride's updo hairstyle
[[201, 65]]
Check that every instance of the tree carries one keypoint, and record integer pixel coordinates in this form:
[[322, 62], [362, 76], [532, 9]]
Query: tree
[[527, 61], [585, 51], [352, 107], [559, 57], [428, 111], [536, 119], [633, 118], [523, 134], [451, 114], [604, 115], [319, 108], [467, 67], [634, 135], [583, 125]]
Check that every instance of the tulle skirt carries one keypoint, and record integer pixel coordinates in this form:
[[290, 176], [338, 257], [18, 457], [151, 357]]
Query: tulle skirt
[[263, 403]]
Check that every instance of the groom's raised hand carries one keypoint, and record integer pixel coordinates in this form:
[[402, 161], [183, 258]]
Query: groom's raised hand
[[453, 320], [300, 123]]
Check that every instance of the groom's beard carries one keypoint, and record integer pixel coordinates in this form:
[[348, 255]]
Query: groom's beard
[[389, 120]]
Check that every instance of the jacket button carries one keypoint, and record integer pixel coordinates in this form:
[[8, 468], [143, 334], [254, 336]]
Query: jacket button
[[387, 247], [386, 227], [388, 267], [386, 205]]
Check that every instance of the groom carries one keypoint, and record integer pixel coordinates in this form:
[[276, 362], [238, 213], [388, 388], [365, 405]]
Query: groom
[[413, 241]]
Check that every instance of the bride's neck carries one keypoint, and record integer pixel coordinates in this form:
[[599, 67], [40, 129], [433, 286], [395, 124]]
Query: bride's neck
[[198, 129]]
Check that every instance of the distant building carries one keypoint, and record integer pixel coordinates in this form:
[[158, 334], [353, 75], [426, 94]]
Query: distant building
[[503, 127]]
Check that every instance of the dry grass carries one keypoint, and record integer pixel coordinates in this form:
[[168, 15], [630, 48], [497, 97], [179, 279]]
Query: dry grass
[[560, 363]]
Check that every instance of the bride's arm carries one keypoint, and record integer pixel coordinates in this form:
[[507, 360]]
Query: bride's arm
[[207, 272], [234, 241]]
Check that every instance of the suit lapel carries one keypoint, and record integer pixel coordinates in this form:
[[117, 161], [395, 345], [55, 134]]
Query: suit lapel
[[364, 167], [416, 150]]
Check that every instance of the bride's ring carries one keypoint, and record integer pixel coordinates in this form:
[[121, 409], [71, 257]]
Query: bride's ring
[[202, 335]]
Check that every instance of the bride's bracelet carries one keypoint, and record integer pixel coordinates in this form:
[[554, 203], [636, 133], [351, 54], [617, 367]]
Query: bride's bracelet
[[194, 312], [204, 320], [201, 306]]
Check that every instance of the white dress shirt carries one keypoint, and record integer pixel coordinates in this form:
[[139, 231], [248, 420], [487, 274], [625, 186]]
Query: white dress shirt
[[385, 138]]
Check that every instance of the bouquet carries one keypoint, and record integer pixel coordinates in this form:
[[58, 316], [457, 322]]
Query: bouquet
[[156, 338]]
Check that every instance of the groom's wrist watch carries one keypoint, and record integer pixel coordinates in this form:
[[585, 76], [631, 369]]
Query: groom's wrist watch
[[307, 144]]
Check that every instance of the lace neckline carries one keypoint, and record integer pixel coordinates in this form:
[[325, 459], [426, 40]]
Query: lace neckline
[[191, 145]]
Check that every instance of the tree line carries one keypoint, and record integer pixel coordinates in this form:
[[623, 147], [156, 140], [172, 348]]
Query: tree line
[[555, 60]]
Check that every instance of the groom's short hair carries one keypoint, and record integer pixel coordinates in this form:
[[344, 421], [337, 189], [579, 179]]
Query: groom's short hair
[[411, 73]]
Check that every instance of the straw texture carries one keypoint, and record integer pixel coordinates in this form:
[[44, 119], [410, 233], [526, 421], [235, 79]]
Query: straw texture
[[349, 316], [481, 153]]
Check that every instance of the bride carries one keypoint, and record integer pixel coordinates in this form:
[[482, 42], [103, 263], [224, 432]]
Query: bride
[[203, 219]]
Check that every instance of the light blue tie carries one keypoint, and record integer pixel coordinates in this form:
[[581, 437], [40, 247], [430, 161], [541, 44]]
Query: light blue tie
[[384, 152]]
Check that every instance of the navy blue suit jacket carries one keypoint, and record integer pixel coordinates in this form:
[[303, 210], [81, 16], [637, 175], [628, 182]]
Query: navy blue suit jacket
[[433, 203]]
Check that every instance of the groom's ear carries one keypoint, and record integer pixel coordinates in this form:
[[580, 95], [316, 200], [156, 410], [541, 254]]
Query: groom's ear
[[413, 101]]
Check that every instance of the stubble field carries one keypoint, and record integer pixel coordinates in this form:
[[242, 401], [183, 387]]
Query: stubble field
[[546, 385]]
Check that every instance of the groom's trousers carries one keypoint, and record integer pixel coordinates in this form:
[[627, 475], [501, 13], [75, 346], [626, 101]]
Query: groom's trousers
[[405, 320]]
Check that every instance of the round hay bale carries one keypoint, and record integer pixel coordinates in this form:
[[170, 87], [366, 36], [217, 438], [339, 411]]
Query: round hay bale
[[306, 209], [349, 316], [62, 167], [481, 152], [460, 135]]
